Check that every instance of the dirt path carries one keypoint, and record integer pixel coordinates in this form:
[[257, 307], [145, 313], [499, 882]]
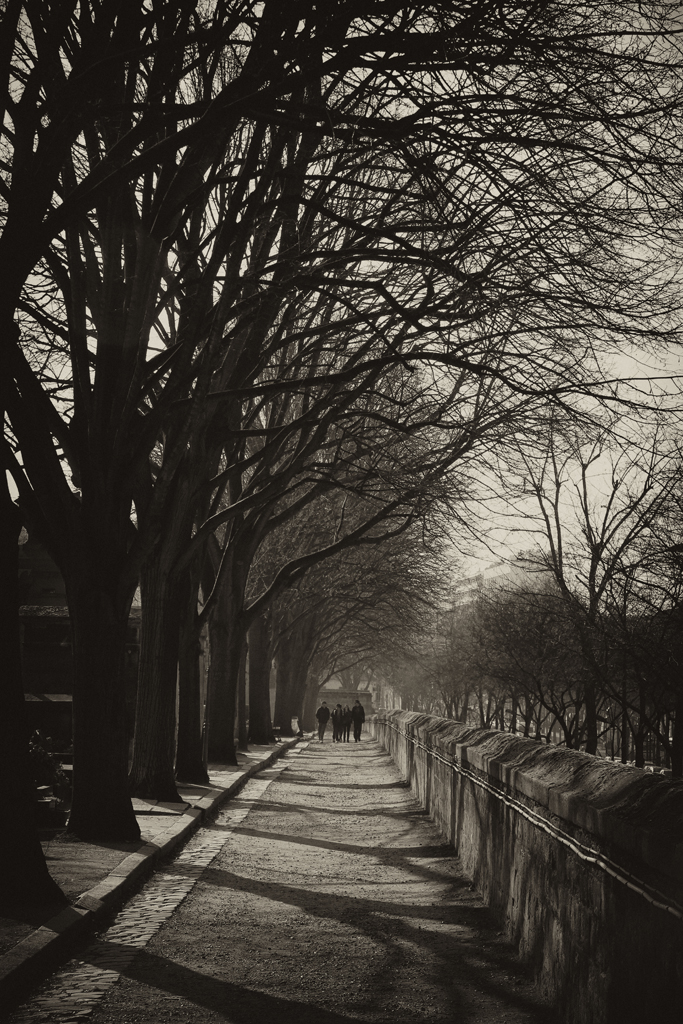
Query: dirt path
[[333, 899]]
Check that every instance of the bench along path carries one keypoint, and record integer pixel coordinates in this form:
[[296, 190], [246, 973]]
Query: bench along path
[[321, 895]]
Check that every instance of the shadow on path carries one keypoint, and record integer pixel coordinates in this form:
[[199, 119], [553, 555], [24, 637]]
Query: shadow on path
[[236, 1003]]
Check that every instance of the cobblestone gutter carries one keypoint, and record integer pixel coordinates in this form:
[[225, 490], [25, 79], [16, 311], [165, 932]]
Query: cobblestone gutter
[[581, 858]]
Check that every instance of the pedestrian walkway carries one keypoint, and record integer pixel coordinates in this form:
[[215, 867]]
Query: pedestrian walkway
[[322, 893]]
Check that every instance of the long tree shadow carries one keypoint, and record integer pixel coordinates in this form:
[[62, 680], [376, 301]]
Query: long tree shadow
[[398, 811], [389, 856], [462, 939], [353, 909], [405, 810], [393, 854], [238, 1004], [465, 965], [396, 854], [304, 779]]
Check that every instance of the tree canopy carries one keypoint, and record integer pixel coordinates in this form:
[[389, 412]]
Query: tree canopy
[[235, 235]]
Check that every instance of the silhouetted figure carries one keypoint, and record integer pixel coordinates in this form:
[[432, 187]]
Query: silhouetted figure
[[358, 717], [323, 716], [346, 723], [337, 723]]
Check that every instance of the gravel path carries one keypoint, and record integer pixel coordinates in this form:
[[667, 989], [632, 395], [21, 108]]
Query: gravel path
[[328, 897]]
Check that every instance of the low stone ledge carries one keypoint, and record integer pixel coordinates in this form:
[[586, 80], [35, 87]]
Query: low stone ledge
[[620, 805]]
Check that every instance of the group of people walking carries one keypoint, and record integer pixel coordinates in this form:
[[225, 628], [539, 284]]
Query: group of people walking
[[342, 720]]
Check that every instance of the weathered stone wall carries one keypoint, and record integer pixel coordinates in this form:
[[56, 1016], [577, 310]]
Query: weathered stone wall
[[581, 858]]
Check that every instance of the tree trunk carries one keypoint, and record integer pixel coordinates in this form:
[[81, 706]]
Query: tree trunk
[[513, 715], [260, 725], [292, 676], [656, 745], [591, 718], [242, 724], [677, 739], [190, 766], [310, 706], [225, 643], [625, 746], [640, 734], [24, 878], [301, 691], [101, 810], [285, 692], [152, 772], [462, 714]]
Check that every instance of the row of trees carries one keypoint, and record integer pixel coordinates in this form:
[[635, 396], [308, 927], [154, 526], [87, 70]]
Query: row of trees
[[277, 284], [345, 618], [580, 640]]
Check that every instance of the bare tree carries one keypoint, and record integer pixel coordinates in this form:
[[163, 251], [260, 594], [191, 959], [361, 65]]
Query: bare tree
[[499, 190], [352, 610], [587, 539]]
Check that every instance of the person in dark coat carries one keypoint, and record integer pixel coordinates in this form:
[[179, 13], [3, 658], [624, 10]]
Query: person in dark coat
[[323, 716], [358, 717], [346, 723], [337, 723]]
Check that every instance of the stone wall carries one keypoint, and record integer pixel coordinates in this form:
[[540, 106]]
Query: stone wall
[[581, 859]]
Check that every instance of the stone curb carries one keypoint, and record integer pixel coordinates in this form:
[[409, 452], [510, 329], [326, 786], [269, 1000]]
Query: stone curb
[[31, 959]]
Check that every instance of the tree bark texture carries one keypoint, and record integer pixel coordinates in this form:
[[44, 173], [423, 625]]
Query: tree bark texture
[[24, 877], [260, 725], [677, 740], [591, 717], [101, 808], [242, 724], [152, 773], [311, 698], [225, 643], [292, 670], [190, 766], [285, 696]]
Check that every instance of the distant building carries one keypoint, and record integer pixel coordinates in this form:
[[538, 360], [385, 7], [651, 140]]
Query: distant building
[[334, 692], [508, 574], [373, 693]]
